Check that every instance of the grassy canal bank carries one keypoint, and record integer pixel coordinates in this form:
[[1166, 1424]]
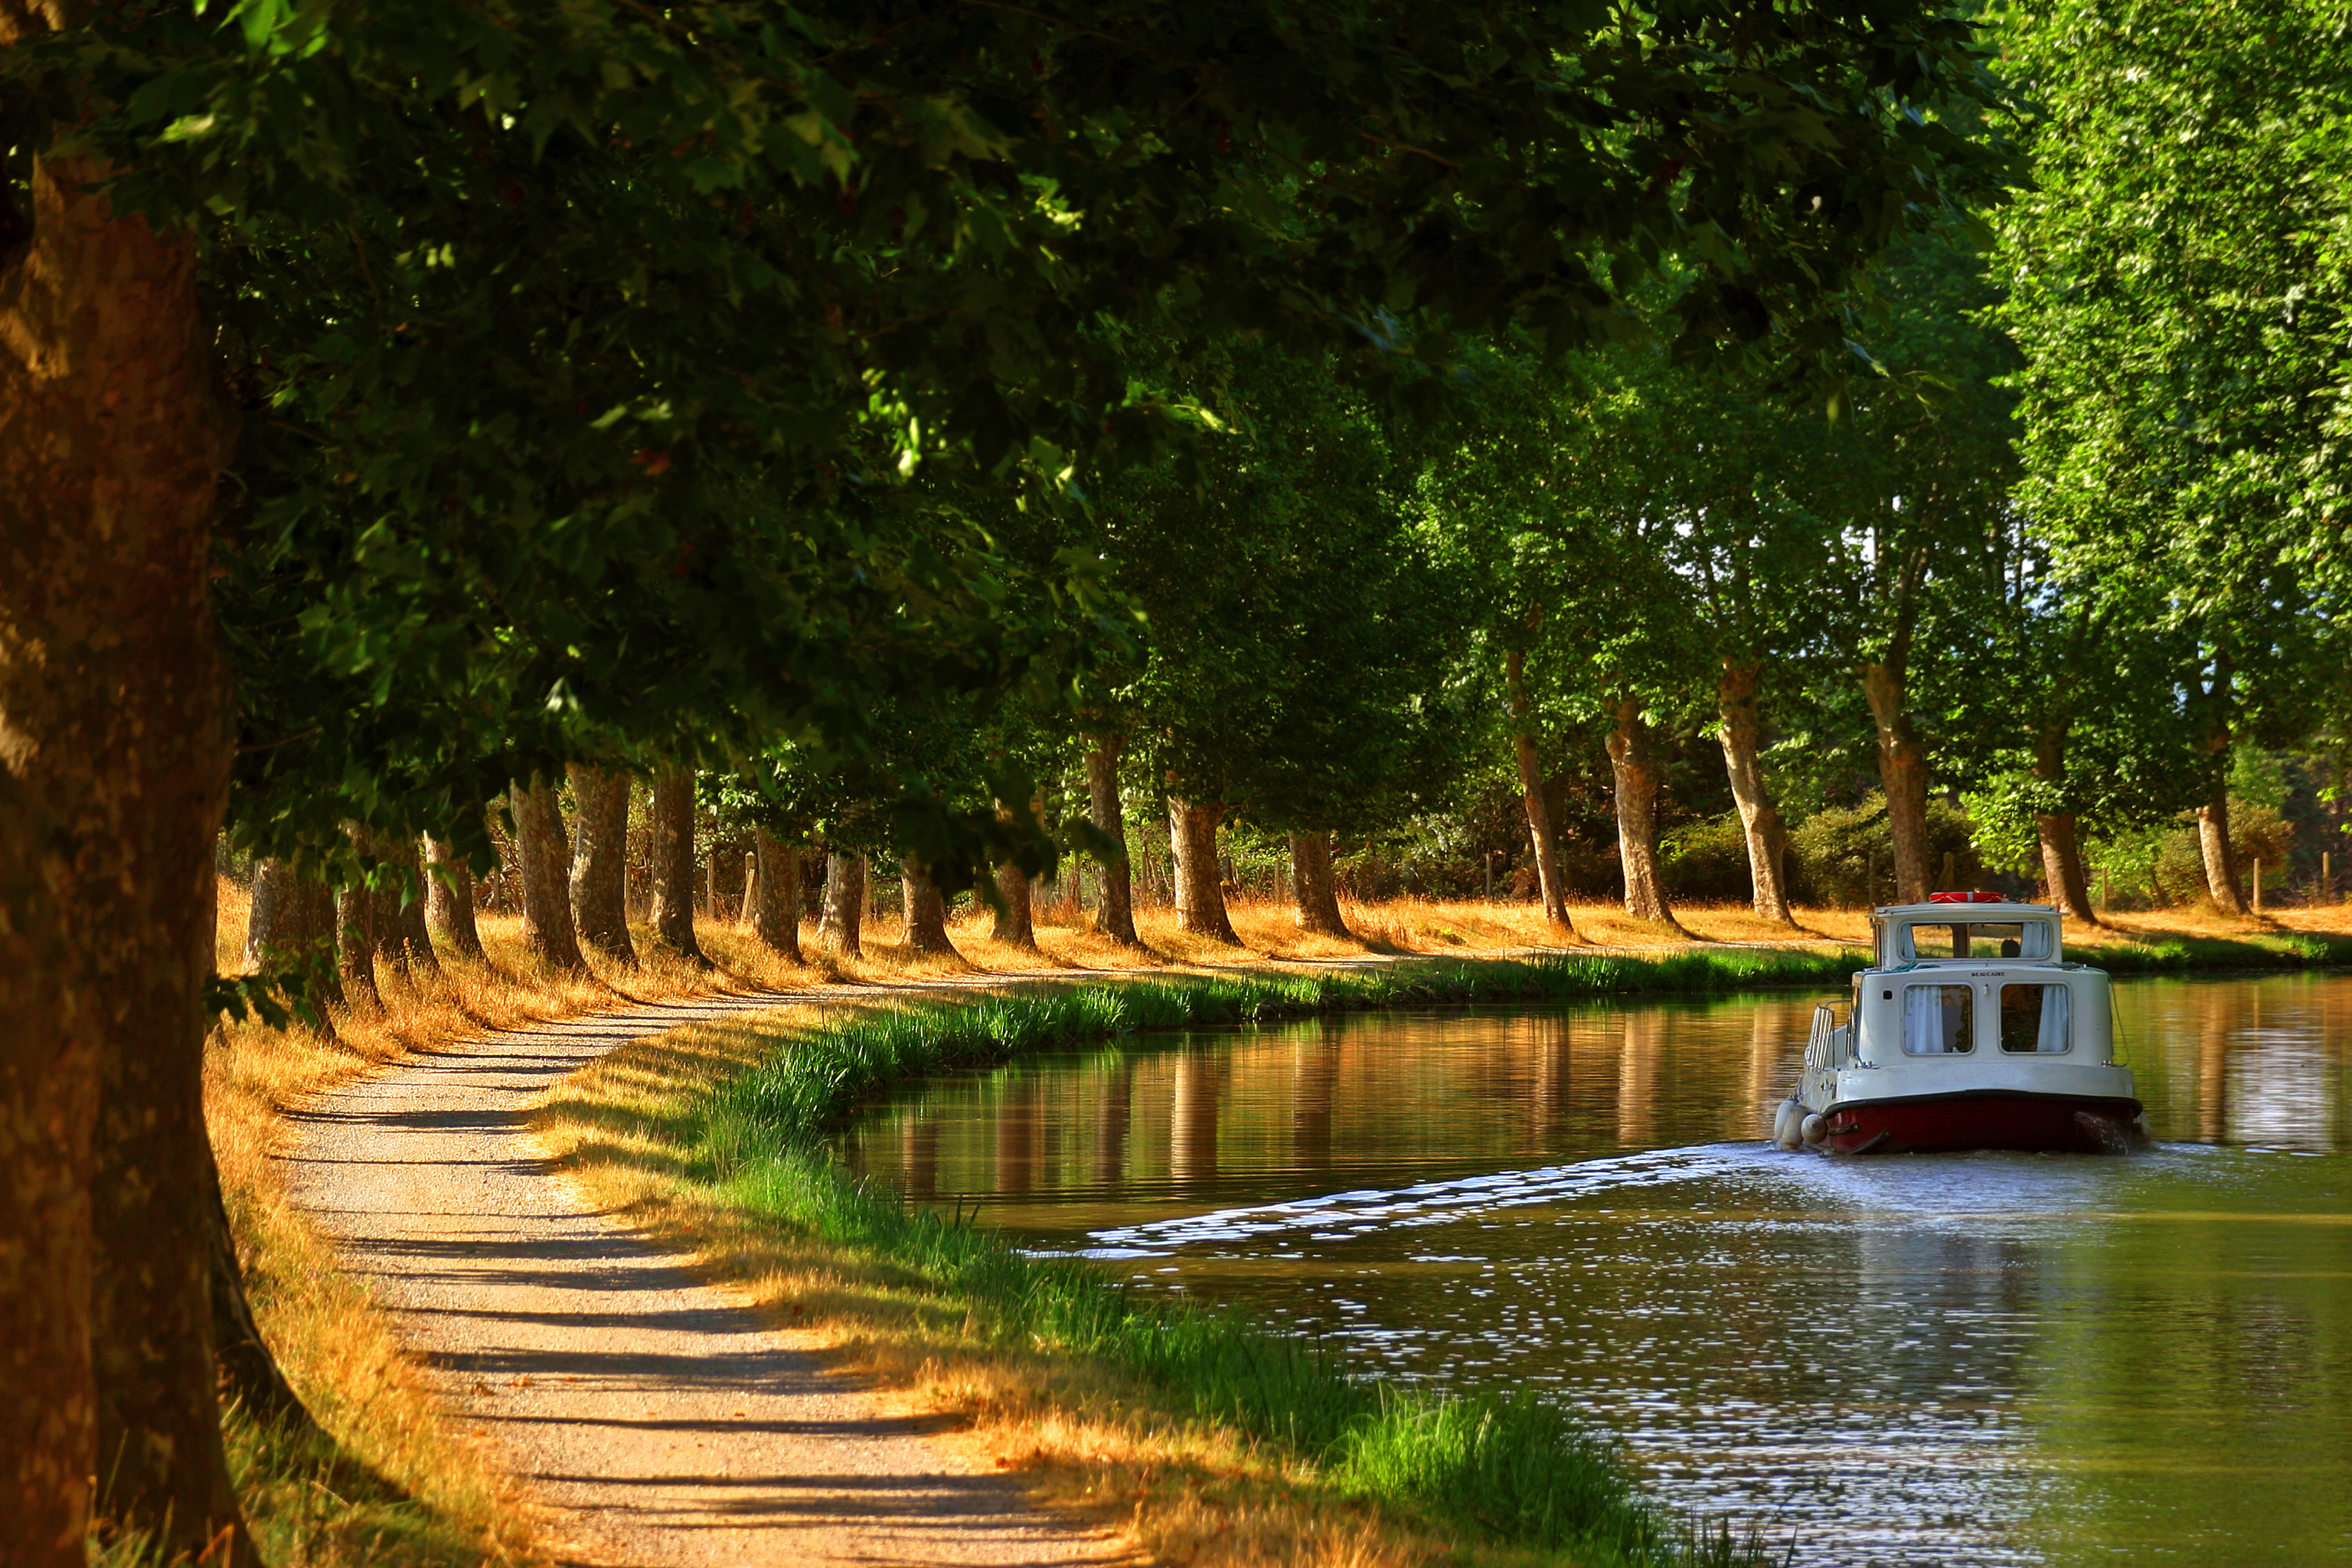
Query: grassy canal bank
[[1204, 1435], [396, 1482]]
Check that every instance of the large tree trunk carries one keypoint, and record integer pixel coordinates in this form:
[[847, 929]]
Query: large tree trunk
[[600, 861], [355, 941], [1903, 772], [671, 863], [449, 898], [1768, 836], [1116, 917], [2061, 849], [1199, 881], [2221, 858], [545, 860], [1314, 886], [291, 924], [399, 919], [775, 894], [113, 773], [837, 929], [1015, 923], [1545, 841], [2213, 817], [925, 927], [1634, 760]]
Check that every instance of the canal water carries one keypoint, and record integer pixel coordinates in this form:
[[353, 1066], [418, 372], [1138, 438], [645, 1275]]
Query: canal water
[[1920, 1360]]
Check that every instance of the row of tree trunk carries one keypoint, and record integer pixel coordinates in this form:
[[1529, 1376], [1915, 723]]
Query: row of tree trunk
[[1636, 766]]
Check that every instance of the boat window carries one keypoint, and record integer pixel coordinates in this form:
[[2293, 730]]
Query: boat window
[[1938, 1020], [2035, 1019], [1977, 939]]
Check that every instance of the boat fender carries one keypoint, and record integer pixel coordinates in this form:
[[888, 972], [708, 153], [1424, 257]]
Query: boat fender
[[1814, 1127], [1786, 1121]]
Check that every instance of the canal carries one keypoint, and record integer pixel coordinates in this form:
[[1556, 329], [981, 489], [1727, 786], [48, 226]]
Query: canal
[[1922, 1360]]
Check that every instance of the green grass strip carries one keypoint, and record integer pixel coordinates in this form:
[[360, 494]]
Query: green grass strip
[[1515, 1470]]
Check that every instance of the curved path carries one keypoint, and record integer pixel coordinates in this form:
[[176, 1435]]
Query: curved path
[[659, 1416]]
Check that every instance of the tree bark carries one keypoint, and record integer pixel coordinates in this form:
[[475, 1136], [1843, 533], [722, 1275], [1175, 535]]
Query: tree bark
[[837, 929], [545, 861], [1634, 760], [2221, 858], [449, 898], [400, 935], [600, 861], [1314, 886], [2213, 817], [1116, 917], [1903, 774], [1199, 881], [776, 895], [292, 923], [355, 941], [1015, 922], [2061, 849], [925, 929], [1546, 842], [113, 775], [671, 863], [1760, 819]]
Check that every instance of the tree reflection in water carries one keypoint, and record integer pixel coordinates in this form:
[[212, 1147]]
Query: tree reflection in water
[[1930, 1360]]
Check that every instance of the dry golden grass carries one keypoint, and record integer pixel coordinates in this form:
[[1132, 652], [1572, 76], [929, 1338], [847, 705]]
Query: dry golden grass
[[1092, 1442]]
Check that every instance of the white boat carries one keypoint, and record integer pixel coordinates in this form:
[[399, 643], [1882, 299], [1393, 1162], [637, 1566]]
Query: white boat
[[1971, 1031]]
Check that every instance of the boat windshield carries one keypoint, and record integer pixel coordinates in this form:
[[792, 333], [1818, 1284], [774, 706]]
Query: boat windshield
[[2027, 940]]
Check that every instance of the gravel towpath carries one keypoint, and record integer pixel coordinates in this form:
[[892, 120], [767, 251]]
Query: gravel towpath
[[660, 1420]]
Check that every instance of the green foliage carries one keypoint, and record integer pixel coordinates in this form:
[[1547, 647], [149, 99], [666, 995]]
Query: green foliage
[[1831, 854]]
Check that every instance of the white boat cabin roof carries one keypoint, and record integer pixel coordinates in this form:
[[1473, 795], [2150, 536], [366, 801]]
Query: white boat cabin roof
[[1971, 930]]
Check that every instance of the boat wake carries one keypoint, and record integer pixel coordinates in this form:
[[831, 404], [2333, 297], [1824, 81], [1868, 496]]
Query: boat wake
[[1366, 1210], [1972, 1191]]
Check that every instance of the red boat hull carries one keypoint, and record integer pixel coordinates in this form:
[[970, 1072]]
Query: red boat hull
[[1982, 1119]]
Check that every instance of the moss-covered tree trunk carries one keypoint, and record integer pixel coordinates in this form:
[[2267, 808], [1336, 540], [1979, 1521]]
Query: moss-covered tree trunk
[[1314, 886], [925, 927], [449, 898], [1638, 769], [776, 895], [115, 743], [1116, 915], [545, 859], [670, 864], [1199, 880], [1743, 761], [838, 928], [1541, 837], [600, 861]]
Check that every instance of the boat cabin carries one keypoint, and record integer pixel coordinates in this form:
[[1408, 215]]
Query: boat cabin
[[1979, 977], [1970, 1030]]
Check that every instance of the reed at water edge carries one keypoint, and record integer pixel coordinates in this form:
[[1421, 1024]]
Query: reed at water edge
[[1512, 1469]]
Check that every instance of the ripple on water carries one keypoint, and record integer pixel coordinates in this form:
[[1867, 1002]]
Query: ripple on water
[[1970, 1358]]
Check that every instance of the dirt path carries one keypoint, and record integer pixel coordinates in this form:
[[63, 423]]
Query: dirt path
[[658, 1418], [663, 1423]]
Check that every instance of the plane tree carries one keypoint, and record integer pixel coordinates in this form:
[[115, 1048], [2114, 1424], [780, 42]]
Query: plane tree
[[632, 297]]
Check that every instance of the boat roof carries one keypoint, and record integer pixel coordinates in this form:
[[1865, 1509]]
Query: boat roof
[[1955, 912]]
